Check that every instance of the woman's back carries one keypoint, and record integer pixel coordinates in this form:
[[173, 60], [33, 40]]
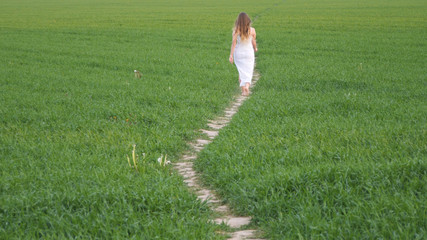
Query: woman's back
[[247, 41]]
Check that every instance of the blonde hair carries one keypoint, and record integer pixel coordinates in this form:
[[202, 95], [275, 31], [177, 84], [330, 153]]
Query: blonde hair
[[242, 26]]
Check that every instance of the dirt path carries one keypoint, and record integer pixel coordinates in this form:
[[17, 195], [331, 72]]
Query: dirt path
[[185, 167]]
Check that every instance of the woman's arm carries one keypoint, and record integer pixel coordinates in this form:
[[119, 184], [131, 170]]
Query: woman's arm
[[233, 46], [254, 39]]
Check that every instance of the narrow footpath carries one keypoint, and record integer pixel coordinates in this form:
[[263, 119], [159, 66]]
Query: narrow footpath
[[185, 167]]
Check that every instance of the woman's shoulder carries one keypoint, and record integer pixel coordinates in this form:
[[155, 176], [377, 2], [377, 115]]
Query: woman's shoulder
[[252, 31]]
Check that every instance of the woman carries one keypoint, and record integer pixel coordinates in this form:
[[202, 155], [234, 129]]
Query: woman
[[243, 50]]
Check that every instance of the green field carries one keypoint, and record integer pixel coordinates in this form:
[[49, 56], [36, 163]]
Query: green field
[[331, 145]]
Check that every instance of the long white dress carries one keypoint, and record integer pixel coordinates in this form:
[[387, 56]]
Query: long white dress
[[244, 58]]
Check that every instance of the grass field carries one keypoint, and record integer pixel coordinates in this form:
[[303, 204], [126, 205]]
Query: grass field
[[332, 144], [71, 110]]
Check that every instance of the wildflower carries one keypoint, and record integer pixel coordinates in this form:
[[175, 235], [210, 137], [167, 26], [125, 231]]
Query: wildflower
[[163, 161]]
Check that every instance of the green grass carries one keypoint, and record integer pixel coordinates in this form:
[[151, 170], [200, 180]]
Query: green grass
[[71, 110], [332, 143]]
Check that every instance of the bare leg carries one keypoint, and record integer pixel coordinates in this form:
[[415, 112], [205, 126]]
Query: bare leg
[[243, 88], [247, 89], [243, 91]]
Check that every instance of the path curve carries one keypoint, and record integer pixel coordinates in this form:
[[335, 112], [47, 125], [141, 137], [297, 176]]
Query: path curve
[[184, 166]]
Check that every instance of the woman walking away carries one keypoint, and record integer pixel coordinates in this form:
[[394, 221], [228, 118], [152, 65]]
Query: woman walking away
[[243, 50]]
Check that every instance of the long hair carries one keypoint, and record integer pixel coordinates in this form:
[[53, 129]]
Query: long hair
[[242, 25]]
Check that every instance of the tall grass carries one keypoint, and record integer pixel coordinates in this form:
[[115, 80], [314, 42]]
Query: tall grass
[[332, 143]]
